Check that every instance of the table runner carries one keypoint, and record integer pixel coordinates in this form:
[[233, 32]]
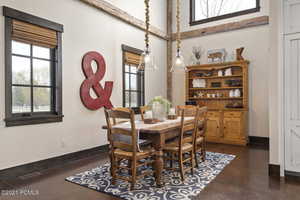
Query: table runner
[[140, 125]]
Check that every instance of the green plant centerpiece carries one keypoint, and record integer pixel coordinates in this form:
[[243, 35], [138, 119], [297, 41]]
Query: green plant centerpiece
[[160, 107]]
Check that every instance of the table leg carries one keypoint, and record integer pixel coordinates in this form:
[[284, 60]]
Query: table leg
[[158, 144], [159, 166]]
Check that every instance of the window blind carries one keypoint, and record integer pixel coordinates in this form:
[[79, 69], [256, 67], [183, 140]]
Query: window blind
[[132, 58], [29, 33]]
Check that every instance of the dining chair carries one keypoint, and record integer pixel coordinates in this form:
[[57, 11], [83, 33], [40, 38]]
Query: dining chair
[[144, 109], [200, 135], [182, 149], [200, 142], [124, 146], [189, 108]]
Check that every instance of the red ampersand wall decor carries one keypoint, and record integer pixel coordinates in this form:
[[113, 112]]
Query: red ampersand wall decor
[[93, 81]]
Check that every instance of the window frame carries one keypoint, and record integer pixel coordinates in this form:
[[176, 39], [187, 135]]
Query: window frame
[[140, 78], [55, 115], [194, 22]]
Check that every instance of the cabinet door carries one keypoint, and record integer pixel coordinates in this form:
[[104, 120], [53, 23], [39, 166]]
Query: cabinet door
[[292, 102], [291, 16], [232, 128], [213, 125]]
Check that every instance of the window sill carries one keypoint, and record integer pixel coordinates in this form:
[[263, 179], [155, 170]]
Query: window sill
[[20, 121]]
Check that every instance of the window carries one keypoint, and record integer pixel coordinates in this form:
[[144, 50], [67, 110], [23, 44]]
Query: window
[[202, 11], [32, 85], [133, 80], [33, 69]]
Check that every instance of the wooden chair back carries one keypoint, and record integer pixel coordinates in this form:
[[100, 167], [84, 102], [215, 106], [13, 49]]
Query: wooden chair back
[[191, 126], [200, 138], [189, 110], [112, 116], [201, 122], [143, 109], [203, 118]]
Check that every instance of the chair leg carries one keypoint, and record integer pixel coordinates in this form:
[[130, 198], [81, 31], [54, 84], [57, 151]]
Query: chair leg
[[133, 174], [195, 155], [192, 162], [203, 150], [111, 161], [181, 166], [171, 161], [130, 166], [113, 169]]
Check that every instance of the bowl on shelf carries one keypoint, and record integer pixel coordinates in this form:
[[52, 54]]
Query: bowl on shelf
[[234, 83], [234, 105]]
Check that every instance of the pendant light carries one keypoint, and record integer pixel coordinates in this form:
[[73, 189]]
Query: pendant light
[[147, 59], [178, 63]]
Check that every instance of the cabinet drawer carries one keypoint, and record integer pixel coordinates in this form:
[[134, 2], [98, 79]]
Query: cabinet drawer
[[213, 114], [233, 114]]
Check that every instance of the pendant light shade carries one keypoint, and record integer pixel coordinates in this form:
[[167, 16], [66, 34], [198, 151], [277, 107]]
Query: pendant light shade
[[178, 62], [147, 61]]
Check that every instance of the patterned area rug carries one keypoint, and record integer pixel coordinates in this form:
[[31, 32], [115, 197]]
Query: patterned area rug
[[99, 179]]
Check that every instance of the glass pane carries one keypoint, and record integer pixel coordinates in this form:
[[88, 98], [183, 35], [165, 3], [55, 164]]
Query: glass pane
[[41, 99], [20, 48], [142, 98], [20, 70], [133, 82], [206, 9], [41, 52], [41, 72], [142, 83], [21, 99], [127, 104], [133, 100], [126, 81], [133, 69], [127, 68]]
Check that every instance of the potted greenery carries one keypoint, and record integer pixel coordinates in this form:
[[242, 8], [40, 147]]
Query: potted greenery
[[160, 107]]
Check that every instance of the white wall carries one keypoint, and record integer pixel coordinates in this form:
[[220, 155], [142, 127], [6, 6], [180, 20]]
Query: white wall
[[86, 29], [256, 43], [274, 82], [136, 8]]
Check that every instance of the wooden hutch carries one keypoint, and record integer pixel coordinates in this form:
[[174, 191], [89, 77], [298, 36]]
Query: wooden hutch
[[225, 95]]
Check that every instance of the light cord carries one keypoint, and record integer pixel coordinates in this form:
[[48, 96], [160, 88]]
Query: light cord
[[147, 23], [178, 26]]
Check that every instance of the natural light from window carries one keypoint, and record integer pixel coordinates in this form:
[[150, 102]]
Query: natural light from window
[[205, 9], [31, 78]]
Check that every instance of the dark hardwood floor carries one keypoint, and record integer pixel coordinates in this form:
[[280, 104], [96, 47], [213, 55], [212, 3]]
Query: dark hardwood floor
[[246, 178]]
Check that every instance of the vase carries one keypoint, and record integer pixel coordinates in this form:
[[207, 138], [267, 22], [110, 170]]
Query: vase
[[159, 111]]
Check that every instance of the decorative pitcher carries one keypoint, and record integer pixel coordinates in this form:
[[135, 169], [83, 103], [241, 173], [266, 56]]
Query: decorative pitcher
[[159, 111]]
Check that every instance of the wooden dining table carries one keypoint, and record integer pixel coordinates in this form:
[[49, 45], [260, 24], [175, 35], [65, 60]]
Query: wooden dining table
[[158, 134]]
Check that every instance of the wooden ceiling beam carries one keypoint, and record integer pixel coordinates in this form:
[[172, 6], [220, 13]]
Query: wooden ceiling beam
[[169, 50], [125, 17], [257, 21]]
